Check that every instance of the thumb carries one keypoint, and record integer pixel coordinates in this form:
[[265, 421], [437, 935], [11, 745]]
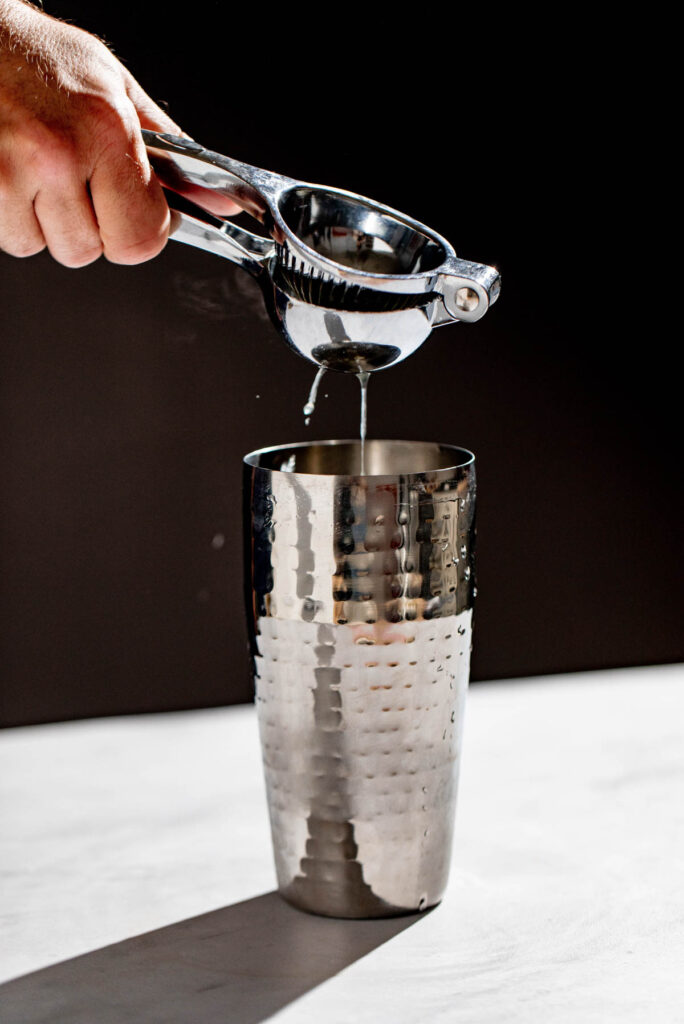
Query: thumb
[[151, 115]]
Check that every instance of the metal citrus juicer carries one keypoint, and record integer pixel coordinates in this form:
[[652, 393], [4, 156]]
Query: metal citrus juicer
[[351, 284]]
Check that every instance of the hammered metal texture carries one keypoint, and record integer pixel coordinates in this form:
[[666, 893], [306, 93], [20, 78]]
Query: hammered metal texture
[[362, 590]]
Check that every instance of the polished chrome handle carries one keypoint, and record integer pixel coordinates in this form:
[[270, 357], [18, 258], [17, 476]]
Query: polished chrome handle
[[204, 177], [249, 251]]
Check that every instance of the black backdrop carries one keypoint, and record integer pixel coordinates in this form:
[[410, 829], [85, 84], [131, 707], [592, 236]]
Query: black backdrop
[[130, 394]]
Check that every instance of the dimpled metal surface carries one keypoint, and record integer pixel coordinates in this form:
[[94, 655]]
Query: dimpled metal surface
[[361, 589]]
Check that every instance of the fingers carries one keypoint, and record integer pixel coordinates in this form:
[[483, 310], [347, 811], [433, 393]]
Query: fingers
[[20, 232], [131, 211], [75, 175], [74, 172], [68, 224], [82, 196]]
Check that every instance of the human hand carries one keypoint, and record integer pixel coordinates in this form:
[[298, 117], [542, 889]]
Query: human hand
[[74, 173]]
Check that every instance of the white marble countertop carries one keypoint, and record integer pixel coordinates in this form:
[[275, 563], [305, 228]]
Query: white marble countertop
[[137, 883]]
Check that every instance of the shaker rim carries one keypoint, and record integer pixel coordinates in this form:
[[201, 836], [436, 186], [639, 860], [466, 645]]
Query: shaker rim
[[463, 457]]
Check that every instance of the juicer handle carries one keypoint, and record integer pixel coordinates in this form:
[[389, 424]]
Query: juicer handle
[[206, 178], [251, 252]]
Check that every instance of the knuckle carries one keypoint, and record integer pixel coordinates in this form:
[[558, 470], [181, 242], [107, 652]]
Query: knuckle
[[139, 251], [112, 124], [41, 153], [55, 159]]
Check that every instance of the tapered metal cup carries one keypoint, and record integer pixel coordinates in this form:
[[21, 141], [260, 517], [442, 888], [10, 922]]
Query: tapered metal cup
[[360, 590]]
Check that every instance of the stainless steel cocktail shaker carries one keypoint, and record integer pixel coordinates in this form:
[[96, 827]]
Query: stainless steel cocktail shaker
[[360, 592]]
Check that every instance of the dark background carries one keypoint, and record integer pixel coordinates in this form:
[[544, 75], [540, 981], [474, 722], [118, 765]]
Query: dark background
[[129, 395]]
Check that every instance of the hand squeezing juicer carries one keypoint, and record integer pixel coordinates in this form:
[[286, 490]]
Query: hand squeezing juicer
[[352, 285]]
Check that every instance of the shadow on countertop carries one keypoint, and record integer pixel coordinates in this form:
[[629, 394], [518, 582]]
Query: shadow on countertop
[[239, 964]]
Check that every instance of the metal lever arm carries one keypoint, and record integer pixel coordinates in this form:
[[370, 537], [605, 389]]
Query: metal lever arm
[[205, 177], [207, 180], [249, 251]]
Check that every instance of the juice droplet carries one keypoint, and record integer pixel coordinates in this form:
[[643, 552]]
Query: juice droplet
[[363, 378], [311, 402]]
